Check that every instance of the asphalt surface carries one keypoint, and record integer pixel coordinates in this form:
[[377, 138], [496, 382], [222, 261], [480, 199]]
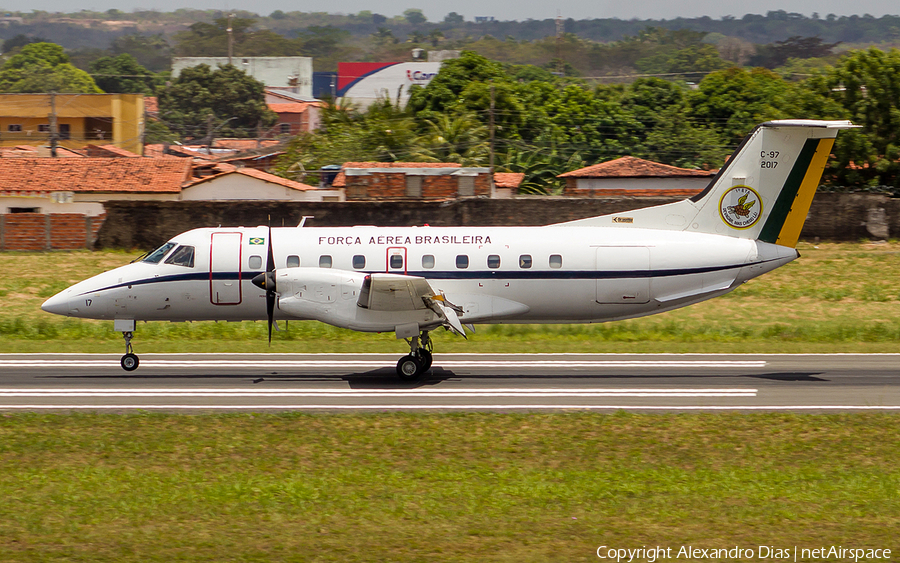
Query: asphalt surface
[[489, 382]]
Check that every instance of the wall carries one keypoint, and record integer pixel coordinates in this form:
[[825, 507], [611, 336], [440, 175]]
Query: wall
[[391, 183], [635, 187], [839, 217], [57, 231]]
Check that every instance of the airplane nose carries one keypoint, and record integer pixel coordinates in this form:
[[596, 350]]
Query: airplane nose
[[58, 304]]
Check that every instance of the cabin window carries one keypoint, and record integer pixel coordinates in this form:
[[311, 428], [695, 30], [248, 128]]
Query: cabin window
[[359, 262], [157, 255], [396, 261], [428, 261], [184, 256], [555, 261], [493, 261], [293, 261], [14, 128], [254, 262], [325, 261], [525, 261], [462, 261]]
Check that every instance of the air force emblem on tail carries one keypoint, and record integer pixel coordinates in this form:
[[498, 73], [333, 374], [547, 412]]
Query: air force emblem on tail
[[740, 207]]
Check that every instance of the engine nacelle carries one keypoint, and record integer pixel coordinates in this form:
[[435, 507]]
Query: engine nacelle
[[331, 296]]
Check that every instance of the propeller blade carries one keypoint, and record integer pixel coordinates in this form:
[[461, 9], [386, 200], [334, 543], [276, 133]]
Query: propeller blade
[[269, 281]]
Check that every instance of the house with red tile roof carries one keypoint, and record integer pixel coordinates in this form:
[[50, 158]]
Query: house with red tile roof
[[81, 185], [630, 176], [251, 184], [109, 151], [412, 180], [506, 184], [296, 117], [57, 203]]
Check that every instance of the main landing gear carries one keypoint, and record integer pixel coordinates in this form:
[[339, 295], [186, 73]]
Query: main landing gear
[[130, 361], [419, 360]]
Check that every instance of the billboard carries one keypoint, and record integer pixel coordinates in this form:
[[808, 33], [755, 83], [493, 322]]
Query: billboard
[[363, 83]]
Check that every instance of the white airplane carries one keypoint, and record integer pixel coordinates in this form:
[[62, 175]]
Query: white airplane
[[413, 280]]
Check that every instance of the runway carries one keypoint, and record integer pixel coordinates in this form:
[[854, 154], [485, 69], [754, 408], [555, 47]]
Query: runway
[[468, 382]]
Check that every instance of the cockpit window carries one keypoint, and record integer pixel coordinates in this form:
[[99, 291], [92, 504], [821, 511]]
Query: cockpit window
[[184, 256], [157, 255]]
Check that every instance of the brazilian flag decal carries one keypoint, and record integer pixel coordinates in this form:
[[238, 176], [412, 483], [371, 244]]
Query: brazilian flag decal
[[258, 241]]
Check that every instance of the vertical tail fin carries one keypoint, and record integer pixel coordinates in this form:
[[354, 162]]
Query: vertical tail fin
[[763, 192], [779, 164]]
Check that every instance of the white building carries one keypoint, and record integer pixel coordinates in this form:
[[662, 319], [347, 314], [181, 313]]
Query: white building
[[294, 73]]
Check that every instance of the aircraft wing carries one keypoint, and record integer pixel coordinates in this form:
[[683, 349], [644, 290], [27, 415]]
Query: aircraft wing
[[396, 292]]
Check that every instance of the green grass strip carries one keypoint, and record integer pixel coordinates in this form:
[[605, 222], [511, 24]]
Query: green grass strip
[[430, 487]]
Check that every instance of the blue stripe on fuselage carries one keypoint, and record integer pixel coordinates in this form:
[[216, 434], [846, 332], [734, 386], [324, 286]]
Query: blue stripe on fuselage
[[464, 275]]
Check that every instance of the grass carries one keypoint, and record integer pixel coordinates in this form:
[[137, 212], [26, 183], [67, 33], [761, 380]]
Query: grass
[[423, 487], [836, 297]]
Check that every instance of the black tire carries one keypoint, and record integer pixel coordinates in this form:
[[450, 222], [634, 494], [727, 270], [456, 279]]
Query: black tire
[[130, 362], [409, 367], [425, 358]]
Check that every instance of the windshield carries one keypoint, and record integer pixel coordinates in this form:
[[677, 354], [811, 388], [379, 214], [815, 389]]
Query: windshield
[[157, 255], [184, 256]]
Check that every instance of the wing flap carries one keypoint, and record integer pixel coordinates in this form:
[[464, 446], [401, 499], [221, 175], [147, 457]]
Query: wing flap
[[394, 292]]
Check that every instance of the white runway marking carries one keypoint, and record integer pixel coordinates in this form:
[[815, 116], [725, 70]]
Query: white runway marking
[[355, 393], [462, 407], [268, 364]]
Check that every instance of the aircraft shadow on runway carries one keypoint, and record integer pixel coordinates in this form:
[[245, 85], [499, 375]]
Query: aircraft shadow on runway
[[386, 378]]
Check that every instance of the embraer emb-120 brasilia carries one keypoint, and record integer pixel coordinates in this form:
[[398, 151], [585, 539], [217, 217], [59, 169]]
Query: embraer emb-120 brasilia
[[413, 280]]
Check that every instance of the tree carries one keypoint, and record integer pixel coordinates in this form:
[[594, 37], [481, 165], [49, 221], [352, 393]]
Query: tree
[[320, 41], [735, 100], [866, 84], [453, 19], [414, 16], [384, 36], [776, 54], [20, 41], [226, 101], [211, 40], [150, 51], [123, 75], [44, 67], [453, 138]]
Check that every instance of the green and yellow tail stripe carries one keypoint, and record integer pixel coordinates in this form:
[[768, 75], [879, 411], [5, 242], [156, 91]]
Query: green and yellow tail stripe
[[786, 219]]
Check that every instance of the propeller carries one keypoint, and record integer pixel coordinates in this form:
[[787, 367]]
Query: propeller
[[266, 281]]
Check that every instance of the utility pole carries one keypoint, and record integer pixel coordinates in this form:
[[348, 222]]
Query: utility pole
[[230, 32], [53, 128], [559, 33]]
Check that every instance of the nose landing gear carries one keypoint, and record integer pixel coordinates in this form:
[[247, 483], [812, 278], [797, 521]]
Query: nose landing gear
[[419, 360], [130, 361]]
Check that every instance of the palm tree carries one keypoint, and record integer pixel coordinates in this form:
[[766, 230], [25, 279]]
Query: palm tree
[[453, 138]]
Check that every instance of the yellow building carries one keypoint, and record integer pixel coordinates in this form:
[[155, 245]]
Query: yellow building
[[81, 119]]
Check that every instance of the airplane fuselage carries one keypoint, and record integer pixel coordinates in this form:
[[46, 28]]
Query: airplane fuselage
[[553, 274]]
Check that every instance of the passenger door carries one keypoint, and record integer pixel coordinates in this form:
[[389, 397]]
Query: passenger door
[[225, 269]]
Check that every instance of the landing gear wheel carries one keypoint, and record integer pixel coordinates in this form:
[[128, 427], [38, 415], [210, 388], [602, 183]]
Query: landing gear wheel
[[425, 358], [130, 362], [409, 368]]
